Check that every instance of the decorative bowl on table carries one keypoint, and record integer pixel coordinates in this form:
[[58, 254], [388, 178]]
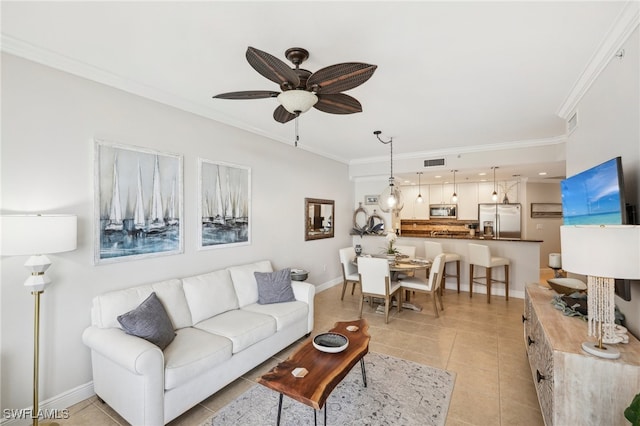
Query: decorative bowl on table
[[567, 286], [330, 342], [299, 274]]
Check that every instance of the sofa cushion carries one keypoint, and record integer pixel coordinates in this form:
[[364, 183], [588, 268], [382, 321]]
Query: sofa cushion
[[191, 353], [285, 314], [274, 287], [108, 306], [243, 328], [150, 321], [245, 282], [209, 294]]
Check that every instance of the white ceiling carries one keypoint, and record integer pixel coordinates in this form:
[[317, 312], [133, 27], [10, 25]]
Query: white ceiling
[[451, 75]]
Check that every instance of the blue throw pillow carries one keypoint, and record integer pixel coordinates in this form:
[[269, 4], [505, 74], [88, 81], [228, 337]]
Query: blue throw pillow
[[149, 321], [274, 287]]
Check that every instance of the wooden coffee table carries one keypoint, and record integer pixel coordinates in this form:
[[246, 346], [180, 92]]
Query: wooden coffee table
[[326, 370]]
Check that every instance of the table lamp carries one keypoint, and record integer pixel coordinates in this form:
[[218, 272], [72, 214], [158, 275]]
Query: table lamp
[[602, 253], [37, 235]]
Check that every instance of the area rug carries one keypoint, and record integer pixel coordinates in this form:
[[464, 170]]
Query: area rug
[[398, 392]]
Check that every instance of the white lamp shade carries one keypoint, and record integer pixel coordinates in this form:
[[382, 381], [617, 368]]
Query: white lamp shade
[[37, 234], [610, 251], [297, 100]]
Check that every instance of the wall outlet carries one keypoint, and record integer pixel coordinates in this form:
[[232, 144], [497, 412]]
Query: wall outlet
[[539, 226], [324, 268]]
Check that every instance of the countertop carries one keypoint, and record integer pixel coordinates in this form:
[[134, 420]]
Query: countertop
[[469, 237]]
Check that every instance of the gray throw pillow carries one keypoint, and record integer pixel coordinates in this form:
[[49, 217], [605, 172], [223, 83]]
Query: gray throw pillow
[[149, 321], [274, 287]]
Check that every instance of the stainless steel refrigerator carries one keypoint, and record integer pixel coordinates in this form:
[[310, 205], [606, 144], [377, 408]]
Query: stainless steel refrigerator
[[506, 220]]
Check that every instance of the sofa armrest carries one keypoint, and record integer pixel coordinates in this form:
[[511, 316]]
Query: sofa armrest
[[130, 352], [305, 292]]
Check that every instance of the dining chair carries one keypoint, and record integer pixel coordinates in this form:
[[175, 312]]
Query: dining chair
[[375, 281], [434, 248], [480, 255], [349, 269], [430, 286]]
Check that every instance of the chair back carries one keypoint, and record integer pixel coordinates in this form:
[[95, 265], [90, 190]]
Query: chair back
[[374, 275], [432, 249], [407, 251], [479, 254], [435, 274], [347, 254]]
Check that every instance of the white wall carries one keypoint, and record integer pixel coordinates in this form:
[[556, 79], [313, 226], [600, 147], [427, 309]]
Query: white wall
[[609, 126], [49, 122]]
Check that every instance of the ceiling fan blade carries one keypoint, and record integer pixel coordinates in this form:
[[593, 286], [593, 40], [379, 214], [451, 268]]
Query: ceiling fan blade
[[338, 103], [272, 68], [340, 77], [249, 94], [281, 115]]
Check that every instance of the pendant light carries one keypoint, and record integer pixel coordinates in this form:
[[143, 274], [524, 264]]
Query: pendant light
[[494, 196], [419, 199], [454, 197], [391, 198]]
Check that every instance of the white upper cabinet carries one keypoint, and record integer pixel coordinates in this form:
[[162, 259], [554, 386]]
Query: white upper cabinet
[[467, 201]]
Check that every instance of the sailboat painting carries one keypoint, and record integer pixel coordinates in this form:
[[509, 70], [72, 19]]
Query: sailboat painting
[[138, 203], [224, 200]]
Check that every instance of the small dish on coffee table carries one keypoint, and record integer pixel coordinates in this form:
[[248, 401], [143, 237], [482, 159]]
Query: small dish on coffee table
[[330, 342]]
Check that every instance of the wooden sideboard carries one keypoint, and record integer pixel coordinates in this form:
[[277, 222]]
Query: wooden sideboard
[[575, 388]]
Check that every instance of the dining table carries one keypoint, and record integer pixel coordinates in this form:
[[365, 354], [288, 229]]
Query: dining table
[[402, 265]]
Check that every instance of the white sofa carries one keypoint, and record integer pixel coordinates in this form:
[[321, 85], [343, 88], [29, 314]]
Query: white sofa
[[221, 333]]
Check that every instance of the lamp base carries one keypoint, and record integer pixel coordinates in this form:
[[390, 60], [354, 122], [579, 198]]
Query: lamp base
[[606, 351]]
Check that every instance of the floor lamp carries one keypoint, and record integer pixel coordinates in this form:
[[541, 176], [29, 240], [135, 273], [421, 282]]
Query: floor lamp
[[37, 235], [602, 253]]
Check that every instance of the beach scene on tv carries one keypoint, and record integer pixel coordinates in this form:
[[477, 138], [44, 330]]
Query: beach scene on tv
[[594, 196]]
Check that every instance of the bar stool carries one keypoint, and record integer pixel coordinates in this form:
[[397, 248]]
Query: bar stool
[[480, 255], [433, 249]]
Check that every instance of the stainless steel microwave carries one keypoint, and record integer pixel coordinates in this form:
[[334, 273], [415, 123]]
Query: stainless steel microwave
[[443, 211]]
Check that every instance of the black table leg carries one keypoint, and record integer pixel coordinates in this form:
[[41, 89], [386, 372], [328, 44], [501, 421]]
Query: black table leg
[[279, 410], [325, 414], [364, 372], [315, 419]]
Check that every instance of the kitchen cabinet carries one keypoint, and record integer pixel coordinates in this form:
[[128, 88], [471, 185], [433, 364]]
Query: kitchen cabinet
[[467, 201]]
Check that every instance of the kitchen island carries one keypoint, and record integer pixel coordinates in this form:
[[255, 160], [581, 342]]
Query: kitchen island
[[523, 254]]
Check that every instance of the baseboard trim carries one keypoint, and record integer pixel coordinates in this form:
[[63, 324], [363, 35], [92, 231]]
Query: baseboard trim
[[59, 402]]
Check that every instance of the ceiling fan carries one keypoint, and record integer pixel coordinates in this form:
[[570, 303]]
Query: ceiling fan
[[302, 89]]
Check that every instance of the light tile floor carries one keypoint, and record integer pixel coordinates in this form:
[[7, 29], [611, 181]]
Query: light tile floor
[[483, 343]]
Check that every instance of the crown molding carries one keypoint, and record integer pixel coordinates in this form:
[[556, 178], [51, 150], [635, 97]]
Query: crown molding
[[531, 143], [624, 25], [63, 63]]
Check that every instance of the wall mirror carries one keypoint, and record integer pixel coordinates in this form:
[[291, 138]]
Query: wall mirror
[[319, 218]]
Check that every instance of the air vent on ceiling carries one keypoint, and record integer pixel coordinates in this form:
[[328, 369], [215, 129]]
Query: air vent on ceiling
[[434, 162], [572, 122]]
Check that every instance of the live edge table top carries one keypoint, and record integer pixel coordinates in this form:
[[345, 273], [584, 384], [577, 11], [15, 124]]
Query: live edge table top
[[326, 370]]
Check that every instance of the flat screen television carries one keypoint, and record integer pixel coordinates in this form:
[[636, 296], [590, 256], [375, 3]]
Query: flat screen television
[[595, 196]]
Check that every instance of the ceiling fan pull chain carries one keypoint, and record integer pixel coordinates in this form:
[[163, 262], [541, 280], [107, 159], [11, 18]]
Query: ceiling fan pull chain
[[297, 135]]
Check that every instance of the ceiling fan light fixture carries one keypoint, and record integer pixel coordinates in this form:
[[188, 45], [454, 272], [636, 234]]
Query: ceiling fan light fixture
[[297, 101]]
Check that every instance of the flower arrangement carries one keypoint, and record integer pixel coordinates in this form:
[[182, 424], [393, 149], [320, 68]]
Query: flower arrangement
[[391, 239]]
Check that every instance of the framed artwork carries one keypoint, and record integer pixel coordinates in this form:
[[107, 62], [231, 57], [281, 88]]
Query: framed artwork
[[370, 199], [224, 205], [546, 210], [138, 205]]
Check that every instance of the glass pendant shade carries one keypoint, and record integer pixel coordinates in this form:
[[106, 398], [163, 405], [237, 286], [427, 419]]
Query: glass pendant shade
[[297, 100], [419, 199], [494, 196], [454, 198], [391, 198]]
